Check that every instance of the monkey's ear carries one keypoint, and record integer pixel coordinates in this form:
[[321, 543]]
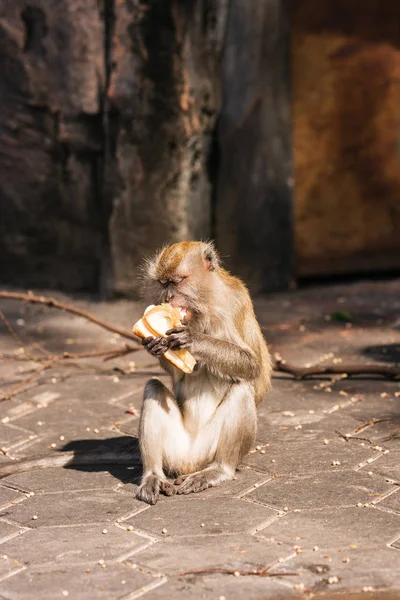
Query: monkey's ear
[[211, 257]]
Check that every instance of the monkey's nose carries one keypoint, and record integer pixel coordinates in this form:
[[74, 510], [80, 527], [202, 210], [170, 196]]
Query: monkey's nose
[[169, 296]]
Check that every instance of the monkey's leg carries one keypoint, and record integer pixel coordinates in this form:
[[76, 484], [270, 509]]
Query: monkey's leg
[[234, 426], [162, 439]]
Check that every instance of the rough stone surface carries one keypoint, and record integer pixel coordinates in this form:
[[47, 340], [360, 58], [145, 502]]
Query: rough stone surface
[[309, 457], [67, 508], [9, 496], [298, 514], [391, 502], [234, 588], [389, 465], [363, 527], [228, 516], [164, 95], [98, 583], [71, 480], [178, 555], [365, 568], [105, 105], [320, 490], [74, 545], [9, 531]]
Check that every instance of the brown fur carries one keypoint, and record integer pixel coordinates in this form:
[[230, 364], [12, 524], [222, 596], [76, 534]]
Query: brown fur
[[204, 428]]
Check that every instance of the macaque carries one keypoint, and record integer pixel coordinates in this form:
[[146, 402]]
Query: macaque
[[197, 434]]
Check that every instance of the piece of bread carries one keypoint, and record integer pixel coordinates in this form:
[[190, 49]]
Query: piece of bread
[[155, 322]]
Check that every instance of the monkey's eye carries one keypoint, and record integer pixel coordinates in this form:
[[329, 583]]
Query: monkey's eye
[[163, 281], [177, 280]]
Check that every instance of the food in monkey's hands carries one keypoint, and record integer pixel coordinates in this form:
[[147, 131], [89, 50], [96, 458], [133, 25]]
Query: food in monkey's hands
[[156, 321]]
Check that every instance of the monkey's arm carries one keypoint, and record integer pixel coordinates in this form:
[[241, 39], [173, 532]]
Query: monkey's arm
[[226, 358]]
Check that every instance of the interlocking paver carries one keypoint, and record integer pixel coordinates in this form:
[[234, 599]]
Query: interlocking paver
[[9, 496], [232, 588], [391, 502], [306, 457], [355, 569], [9, 530], [8, 567], [320, 490], [175, 555], [10, 436], [79, 438], [385, 433], [242, 526], [365, 527], [316, 429], [103, 389], [72, 508], [389, 465], [299, 397], [70, 480], [114, 581], [64, 415], [203, 516], [73, 545]]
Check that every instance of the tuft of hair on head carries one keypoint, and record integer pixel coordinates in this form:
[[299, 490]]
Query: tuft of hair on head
[[210, 256], [147, 274]]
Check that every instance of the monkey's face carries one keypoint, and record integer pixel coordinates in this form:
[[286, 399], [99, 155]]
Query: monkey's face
[[182, 275]]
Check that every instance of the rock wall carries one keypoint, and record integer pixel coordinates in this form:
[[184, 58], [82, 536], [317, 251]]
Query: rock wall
[[53, 74], [163, 99], [107, 116]]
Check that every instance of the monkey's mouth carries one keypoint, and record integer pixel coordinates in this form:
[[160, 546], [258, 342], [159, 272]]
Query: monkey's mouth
[[184, 312]]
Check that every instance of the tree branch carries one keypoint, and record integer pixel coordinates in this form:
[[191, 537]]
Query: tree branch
[[52, 302], [387, 371]]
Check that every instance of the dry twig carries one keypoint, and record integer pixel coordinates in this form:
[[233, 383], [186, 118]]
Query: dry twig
[[106, 354], [17, 387], [352, 437], [52, 302], [10, 329], [372, 421], [245, 572], [51, 360], [387, 371]]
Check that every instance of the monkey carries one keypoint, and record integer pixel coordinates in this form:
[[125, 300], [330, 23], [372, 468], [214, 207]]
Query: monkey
[[197, 432]]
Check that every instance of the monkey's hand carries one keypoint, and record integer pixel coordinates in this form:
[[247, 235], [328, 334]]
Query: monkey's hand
[[155, 346], [179, 338]]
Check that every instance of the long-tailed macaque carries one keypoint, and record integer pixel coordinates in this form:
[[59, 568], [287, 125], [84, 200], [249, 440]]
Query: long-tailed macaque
[[201, 430], [197, 433]]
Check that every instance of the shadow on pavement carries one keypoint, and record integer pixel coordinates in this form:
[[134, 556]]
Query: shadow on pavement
[[119, 447]]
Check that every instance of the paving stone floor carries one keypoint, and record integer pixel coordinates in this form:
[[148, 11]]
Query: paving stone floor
[[318, 496]]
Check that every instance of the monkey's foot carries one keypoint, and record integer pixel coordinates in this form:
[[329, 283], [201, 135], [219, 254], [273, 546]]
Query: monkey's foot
[[167, 488], [197, 482], [151, 487]]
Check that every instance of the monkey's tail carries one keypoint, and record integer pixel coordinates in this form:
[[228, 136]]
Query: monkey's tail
[[65, 459]]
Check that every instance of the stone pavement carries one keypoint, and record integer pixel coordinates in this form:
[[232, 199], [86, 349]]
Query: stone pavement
[[319, 495]]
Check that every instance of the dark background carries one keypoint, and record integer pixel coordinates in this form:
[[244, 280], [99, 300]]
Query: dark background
[[127, 124]]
